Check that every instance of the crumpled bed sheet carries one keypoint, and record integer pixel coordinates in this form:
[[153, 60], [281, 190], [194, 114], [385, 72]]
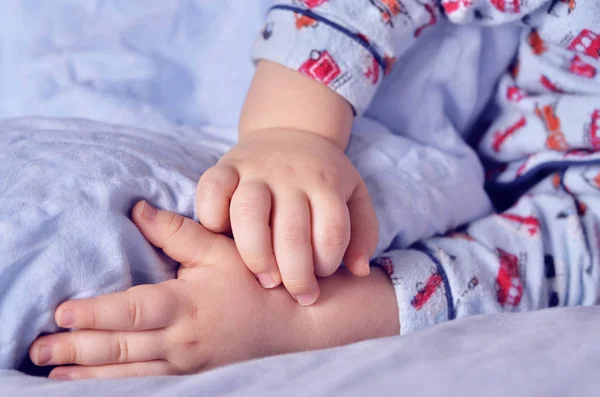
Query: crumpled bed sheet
[[143, 70]]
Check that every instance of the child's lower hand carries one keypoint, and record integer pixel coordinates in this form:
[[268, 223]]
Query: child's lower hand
[[214, 313], [296, 206]]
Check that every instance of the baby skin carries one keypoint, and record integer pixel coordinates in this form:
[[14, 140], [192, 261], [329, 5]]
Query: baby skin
[[214, 313], [294, 202]]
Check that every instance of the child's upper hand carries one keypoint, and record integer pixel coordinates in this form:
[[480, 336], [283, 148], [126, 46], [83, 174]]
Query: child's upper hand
[[296, 206]]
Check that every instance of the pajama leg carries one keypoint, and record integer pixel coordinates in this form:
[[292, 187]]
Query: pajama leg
[[542, 252]]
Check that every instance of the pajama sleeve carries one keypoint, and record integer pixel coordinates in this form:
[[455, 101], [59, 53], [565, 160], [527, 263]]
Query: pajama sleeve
[[541, 253], [350, 45], [544, 250]]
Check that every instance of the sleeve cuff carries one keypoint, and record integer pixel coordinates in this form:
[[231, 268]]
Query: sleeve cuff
[[422, 289], [323, 50]]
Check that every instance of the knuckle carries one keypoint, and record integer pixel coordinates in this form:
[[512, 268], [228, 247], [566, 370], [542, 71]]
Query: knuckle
[[334, 237], [255, 263], [134, 313], [329, 177], [296, 285], [190, 345], [209, 188], [175, 225], [246, 209], [121, 350], [216, 182], [72, 354], [290, 170], [293, 236], [249, 201]]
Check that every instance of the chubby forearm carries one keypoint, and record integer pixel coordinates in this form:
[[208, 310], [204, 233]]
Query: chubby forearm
[[350, 309], [281, 98]]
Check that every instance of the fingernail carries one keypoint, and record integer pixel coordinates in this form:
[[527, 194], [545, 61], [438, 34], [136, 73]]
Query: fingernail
[[62, 377], [66, 319], [44, 355], [367, 266], [266, 280], [306, 299], [148, 211]]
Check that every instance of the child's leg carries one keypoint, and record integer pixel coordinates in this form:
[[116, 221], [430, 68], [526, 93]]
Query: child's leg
[[542, 252]]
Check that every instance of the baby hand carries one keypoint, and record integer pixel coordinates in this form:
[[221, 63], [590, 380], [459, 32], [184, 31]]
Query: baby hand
[[296, 206], [213, 314]]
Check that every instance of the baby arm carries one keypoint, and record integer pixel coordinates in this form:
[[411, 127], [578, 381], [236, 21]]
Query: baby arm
[[213, 314], [292, 199], [295, 204], [280, 97]]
